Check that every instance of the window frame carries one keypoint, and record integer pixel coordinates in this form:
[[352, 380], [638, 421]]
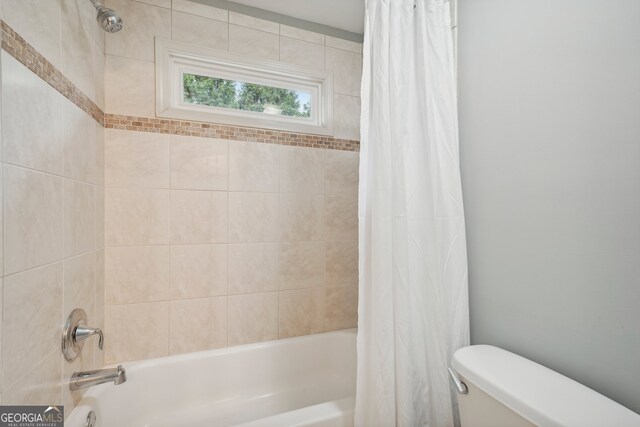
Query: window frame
[[173, 59]]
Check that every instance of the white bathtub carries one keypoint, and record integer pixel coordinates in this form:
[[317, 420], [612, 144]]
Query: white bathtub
[[304, 381]]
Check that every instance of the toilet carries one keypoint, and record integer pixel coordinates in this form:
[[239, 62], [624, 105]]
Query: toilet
[[501, 389]]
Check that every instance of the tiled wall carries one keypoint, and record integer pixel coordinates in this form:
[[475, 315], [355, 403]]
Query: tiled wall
[[258, 241], [250, 241], [53, 200]]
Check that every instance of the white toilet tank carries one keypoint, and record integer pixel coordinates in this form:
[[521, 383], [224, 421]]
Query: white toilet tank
[[506, 390]]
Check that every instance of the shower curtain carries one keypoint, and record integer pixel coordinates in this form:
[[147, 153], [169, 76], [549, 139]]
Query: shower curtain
[[413, 301]]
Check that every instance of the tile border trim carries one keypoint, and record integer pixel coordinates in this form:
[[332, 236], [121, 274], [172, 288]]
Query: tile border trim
[[16, 46], [26, 54], [230, 132]]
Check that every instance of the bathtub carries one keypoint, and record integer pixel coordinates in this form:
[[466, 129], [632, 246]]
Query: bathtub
[[303, 381]]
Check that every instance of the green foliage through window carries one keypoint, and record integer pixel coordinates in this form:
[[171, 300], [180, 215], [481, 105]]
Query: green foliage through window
[[204, 90]]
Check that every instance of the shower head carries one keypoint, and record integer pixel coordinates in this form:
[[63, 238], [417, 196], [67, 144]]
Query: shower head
[[108, 19]]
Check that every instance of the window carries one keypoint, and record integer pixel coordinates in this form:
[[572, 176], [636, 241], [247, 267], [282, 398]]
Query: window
[[214, 92], [208, 85]]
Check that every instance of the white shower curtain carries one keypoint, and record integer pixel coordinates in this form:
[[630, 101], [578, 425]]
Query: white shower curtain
[[413, 300]]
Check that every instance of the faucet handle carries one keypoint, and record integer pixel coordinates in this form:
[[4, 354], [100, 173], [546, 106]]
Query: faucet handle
[[75, 332], [83, 332]]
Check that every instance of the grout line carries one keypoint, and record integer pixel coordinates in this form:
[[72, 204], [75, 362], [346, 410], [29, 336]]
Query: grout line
[[279, 161], [64, 291], [129, 58], [94, 364], [169, 234], [53, 174], [227, 247], [198, 16], [225, 243], [48, 264], [37, 365], [153, 5], [228, 33]]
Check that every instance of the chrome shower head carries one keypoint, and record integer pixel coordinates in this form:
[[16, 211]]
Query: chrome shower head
[[108, 19]]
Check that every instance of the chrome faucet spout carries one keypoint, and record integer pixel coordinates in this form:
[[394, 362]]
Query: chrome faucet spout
[[90, 378]]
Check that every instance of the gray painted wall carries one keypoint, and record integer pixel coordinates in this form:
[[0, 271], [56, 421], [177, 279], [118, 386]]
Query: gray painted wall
[[550, 154]]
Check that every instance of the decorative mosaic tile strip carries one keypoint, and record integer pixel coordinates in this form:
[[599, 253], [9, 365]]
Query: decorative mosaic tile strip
[[209, 130], [18, 47]]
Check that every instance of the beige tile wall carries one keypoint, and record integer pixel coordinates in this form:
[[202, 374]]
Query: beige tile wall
[[129, 75], [253, 242], [256, 241], [53, 201]]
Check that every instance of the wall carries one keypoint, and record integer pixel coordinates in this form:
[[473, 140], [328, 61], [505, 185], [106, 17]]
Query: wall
[[130, 83], [550, 150], [245, 237], [284, 265], [53, 194]]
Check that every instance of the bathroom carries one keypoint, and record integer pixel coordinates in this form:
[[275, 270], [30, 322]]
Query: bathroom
[[320, 212]]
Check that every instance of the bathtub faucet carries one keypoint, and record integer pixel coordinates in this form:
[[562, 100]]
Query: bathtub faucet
[[89, 378]]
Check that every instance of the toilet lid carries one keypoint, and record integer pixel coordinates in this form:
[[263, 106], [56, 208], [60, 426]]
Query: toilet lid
[[538, 394]]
